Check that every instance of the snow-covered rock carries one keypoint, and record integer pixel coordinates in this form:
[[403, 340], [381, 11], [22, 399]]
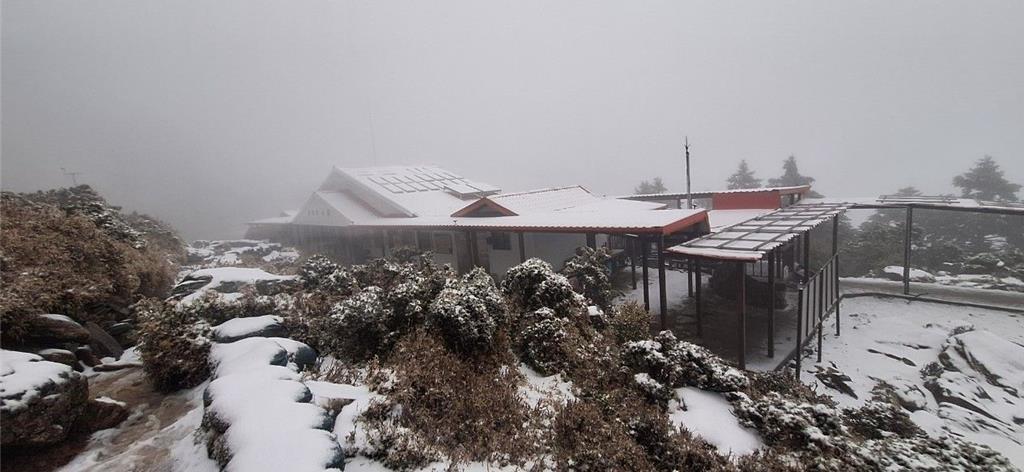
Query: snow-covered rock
[[39, 400], [53, 329], [260, 413], [228, 280], [916, 275], [257, 326]]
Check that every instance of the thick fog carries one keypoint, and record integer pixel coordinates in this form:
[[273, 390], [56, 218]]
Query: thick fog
[[209, 114]]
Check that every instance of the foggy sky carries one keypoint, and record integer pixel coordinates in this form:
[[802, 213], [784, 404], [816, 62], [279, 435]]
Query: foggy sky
[[209, 114]]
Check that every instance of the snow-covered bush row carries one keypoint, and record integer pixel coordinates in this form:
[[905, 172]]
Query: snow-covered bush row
[[68, 252], [874, 437], [174, 344], [239, 252], [257, 412], [674, 364]]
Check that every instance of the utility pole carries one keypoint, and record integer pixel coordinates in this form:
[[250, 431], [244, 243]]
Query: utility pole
[[73, 175], [689, 196]]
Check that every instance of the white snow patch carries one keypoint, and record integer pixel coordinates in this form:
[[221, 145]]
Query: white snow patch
[[892, 340], [23, 375], [710, 416], [222, 275], [237, 327], [538, 387], [916, 275]]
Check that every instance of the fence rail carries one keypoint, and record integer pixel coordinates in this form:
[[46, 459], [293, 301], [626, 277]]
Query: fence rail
[[816, 298]]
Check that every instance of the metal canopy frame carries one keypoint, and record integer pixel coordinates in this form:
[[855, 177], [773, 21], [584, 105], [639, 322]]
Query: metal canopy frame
[[758, 238], [764, 233]]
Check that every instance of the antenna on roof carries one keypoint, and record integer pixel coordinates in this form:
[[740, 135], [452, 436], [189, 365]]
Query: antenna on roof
[[689, 196], [73, 175]]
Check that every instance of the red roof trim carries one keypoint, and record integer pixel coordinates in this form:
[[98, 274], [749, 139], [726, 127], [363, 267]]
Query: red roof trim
[[481, 203]]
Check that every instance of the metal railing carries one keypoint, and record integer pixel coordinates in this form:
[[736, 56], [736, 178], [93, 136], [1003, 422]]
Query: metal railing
[[816, 298]]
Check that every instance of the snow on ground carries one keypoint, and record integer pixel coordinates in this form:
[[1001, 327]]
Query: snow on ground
[[710, 416], [23, 376], [237, 328], [958, 370], [916, 275], [538, 387], [675, 289], [230, 252], [228, 276]]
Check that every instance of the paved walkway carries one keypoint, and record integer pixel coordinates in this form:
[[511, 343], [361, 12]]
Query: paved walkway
[[999, 298]]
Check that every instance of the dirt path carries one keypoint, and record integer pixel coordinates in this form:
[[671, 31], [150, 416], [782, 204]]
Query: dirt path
[[157, 436]]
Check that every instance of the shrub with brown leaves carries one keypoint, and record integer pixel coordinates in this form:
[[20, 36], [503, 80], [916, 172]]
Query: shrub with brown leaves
[[175, 344]]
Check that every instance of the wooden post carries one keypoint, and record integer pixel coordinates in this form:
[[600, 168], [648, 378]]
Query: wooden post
[[689, 278], [632, 259], [821, 278], [742, 321], [906, 250], [799, 328], [807, 256], [696, 263], [662, 294], [839, 298], [592, 240], [771, 304], [522, 248], [646, 277]]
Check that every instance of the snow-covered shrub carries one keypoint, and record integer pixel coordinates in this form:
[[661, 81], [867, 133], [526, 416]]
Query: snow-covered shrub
[[361, 325], [923, 453], [589, 267], [677, 363], [59, 262], [877, 420], [468, 409], [630, 322], [174, 345], [584, 439], [216, 309], [85, 202], [667, 447], [542, 341], [315, 271], [533, 285], [794, 425], [468, 312], [653, 389]]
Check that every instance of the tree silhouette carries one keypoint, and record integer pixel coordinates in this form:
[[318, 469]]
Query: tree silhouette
[[743, 178], [791, 177], [985, 181], [655, 186]]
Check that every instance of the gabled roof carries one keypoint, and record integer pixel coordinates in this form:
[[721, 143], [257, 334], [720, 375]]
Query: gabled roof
[[406, 191]]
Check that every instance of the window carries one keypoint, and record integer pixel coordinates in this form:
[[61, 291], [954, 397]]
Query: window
[[501, 241], [443, 243]]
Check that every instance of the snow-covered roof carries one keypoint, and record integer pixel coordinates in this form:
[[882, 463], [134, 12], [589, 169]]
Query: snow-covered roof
[[797, 189], [927, 202], [594, 219], [751, 240], [284, 218], [720, 219]]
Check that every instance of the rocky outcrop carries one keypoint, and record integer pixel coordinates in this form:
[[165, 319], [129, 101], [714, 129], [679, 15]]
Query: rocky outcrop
[[267, 326], [41, 400], [257, 402], [53, 330]]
